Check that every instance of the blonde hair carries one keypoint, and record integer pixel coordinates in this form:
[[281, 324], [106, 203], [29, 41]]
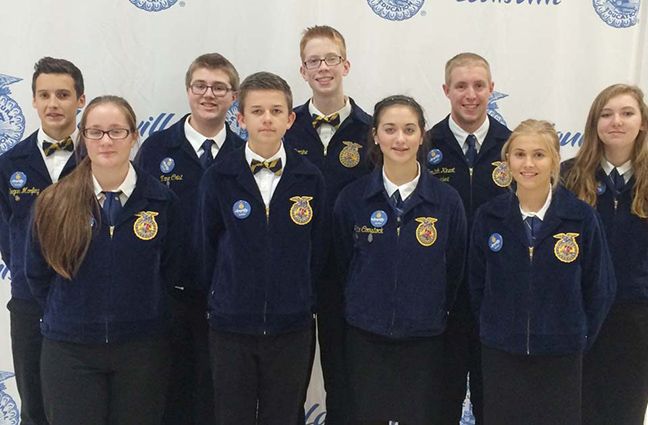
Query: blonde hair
[[322, 31], [465, 59], [547, 133], [581, 178]]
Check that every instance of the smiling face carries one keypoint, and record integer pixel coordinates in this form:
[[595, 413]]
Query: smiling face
[[618, 126], [530, 162], [55, 100], [469, 89], [107, 153], [266, 117], [399, 136], [207, 108], [325, 80]]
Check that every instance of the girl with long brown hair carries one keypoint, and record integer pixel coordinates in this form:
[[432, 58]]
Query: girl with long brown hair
[[610, 172], [102, 253]]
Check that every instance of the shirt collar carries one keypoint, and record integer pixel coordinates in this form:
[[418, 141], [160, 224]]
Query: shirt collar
[[625, 170], [541, 213], [249, 155], [406, 189], [196, 139], [43, 137], [126, 187], [460, 134], [344, 112]]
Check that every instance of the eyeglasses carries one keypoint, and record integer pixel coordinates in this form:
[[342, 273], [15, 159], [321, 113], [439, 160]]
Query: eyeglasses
[[219, 90], [317, 62], [114, 134]]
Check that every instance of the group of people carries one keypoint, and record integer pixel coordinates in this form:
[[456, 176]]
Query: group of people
[[419, 259]]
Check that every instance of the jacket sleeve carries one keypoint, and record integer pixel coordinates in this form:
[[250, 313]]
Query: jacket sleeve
[[477, 264], [40, 275], [456, 252], [208, 230], [175, 252], [598, 281], [343, 236]]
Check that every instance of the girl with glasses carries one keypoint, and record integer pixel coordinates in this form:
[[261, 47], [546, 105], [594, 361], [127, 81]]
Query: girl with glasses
[[102, 253]]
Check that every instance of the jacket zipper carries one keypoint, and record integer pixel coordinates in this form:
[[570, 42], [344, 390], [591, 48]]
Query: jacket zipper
[[393, 321], [265, 304], [528, 341]]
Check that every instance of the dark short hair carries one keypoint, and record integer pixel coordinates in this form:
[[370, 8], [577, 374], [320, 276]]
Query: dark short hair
[[48, 65], [213, 61], [264, 81]]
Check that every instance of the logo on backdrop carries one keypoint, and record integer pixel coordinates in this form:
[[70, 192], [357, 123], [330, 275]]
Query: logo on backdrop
[[233, 123], [153, 5], [12, 120], [9, 413], [492, 106], [618, 13], [537, 2], [396, 10]]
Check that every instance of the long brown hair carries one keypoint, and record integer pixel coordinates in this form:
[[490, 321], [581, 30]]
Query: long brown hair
[[65, 211], [582, 180]]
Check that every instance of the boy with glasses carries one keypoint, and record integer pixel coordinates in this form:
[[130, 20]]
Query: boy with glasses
[[330, 130], [179, 156], [28, 168]]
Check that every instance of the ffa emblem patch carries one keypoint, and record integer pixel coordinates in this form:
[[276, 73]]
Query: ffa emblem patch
[[349, 156], [426, 233], [501, 175], [378, 218], [145, 227], [566, 249], [434, 157], [301, 212], [495, 242]]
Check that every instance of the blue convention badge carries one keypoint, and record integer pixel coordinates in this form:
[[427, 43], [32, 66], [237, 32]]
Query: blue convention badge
[[18, 180], [378, 218], [167, 165], [241, 209], [434, 157], [495, 242], [601, 188]]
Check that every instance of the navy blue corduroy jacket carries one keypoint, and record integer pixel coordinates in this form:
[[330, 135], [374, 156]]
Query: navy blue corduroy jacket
[[260, 263], [15, 207], [303, 139], [402, 276], [627, 236], [475, 188], [544, 301], [183, 178], [120, 291]]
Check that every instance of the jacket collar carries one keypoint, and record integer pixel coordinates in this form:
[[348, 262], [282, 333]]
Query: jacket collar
[[425, 189]]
